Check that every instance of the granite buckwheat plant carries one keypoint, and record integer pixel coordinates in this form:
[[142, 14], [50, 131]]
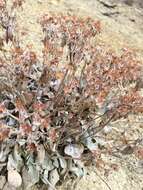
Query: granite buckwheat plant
[[57, 110]]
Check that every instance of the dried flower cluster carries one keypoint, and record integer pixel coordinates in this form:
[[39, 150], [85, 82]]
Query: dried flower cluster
[[52, 110]]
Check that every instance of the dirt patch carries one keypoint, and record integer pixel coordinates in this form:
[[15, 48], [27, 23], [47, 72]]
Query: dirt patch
[[122, 25]]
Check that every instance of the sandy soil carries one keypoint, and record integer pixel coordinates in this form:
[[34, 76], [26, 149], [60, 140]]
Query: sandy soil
[[122, 26]]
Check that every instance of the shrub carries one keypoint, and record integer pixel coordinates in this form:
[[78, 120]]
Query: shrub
[[53, 109]]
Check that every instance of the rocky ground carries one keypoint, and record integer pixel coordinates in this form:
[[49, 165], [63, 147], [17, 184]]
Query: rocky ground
[[122, 26]]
